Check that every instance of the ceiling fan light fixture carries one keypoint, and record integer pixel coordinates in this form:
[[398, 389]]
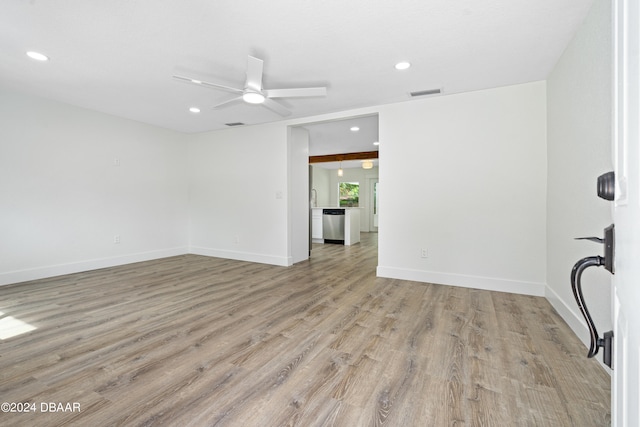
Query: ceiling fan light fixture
[[253, 97], [37, 56]]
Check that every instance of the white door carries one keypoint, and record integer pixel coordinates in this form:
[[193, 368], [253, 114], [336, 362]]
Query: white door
[[626, 281]]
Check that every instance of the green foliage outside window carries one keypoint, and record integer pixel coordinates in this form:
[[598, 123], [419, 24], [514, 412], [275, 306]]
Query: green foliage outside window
[[349, 194]]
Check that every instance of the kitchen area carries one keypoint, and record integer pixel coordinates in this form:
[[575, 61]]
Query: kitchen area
[[343, 179]]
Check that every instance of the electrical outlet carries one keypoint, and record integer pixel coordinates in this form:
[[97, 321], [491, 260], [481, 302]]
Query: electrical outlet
[[116, 239], [423, 253]]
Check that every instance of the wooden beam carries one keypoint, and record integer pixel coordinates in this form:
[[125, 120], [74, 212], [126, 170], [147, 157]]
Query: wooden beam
[[362, 155]]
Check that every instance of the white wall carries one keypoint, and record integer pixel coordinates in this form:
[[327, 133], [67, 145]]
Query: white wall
[[238, 197], [64, 199], [464, 176], [579, 140]]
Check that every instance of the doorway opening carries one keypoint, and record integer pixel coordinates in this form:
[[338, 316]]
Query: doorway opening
[[343, 171]]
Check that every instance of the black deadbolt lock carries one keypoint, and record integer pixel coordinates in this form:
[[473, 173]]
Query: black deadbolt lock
[[607, 186]]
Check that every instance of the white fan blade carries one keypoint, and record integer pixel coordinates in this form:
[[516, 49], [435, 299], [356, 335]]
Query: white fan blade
[[207, 84], [276, 107], [296, 93], [228, 101], [254, 73]]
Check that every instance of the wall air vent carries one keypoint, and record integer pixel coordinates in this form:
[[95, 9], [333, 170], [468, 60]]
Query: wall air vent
[[235, 124], [426, 92]]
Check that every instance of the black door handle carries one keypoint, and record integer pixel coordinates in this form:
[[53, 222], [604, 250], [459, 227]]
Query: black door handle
[[576, 286]]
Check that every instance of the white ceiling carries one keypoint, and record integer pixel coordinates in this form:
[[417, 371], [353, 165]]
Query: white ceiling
[[118, 56]]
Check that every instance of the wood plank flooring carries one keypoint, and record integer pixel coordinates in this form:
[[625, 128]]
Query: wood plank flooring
[[197, 341]]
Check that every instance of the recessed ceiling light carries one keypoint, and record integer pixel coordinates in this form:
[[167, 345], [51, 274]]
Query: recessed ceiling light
[[194, 109], [354, 129], [402, 65], [37, 56], [376, 143]]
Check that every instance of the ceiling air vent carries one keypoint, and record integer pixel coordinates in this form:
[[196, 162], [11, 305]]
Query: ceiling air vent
[[235, 124], [426, 92]]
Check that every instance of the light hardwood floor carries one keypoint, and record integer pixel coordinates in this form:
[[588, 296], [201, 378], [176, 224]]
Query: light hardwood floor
[[197, 341]]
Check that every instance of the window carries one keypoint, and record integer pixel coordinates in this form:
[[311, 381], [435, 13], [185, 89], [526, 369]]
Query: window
[[349, 194]]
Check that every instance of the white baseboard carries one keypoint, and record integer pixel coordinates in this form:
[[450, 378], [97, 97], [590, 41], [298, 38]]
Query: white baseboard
[[80, 266], [94, 264], [476, 282], [242, 256]]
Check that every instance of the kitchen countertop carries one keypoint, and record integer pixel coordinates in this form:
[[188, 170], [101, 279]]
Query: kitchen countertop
[[336, 207]]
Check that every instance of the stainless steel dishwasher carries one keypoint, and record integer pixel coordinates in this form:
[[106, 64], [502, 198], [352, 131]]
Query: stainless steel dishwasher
[[333, 225]]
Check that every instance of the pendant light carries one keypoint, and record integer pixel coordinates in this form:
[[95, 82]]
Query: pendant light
[[340, 171]]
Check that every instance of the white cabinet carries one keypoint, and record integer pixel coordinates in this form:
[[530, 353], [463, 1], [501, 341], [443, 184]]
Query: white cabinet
[[316, 224], [352, 226]]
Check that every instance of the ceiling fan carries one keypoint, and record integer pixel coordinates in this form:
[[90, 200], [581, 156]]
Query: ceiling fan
[[254, 93]]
